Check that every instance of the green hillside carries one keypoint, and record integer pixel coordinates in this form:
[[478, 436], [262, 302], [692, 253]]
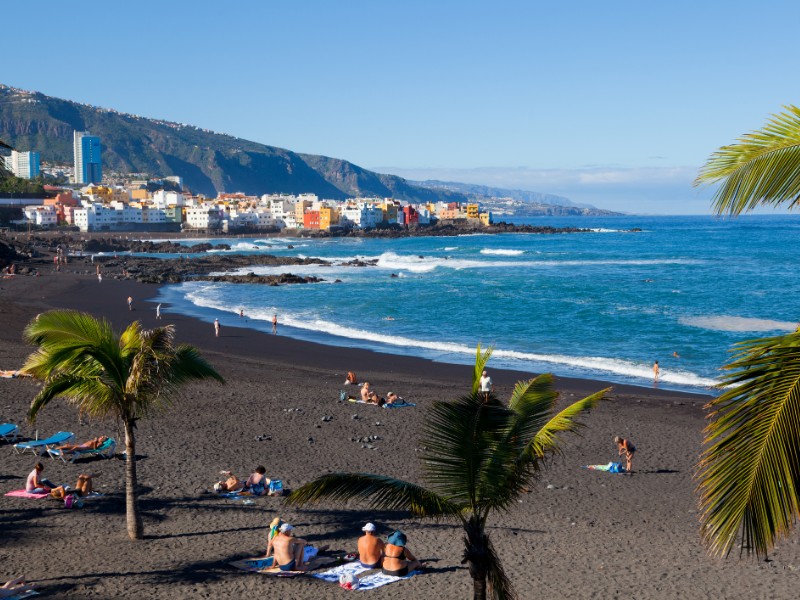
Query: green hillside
[[209, 162]]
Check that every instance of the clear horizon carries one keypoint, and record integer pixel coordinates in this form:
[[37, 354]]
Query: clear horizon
[[613, 106]]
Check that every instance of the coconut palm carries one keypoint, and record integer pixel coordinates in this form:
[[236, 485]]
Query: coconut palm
[[749, 473], [81, 359], [761, 168], [479, 457]]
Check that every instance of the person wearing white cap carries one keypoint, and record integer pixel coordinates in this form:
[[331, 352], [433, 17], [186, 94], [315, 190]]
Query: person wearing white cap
[[288, 549], [370, 548], [486, 386]]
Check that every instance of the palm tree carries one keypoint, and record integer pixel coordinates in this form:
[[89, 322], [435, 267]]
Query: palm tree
[[128, 377], [762, 168], [480, 456], [749, 473]]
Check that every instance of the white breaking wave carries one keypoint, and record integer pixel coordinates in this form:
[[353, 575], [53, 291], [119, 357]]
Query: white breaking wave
[[730, 323], [502, 252], [597, 364]]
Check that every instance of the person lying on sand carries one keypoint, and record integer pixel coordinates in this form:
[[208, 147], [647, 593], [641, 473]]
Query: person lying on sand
[[288, 549], [370, 548], [15, 587], [231, 484], [83, 487], [92, 444], [391, 398], [397, 560]]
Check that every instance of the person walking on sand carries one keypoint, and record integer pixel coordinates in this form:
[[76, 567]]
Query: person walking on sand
[[158, 312], [130, 303], [486, 386], [275, 323], [626, 447], [216, 327], [656, 372]]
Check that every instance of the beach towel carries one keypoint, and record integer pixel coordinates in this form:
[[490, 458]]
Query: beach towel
[[265, 565], [26, 494], [27, 594], [399, 404], [368, 579], [612, 467]]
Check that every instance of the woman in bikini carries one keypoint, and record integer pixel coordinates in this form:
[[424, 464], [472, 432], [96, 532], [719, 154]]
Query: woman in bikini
[[83, 487], [92, 444], [397, 560]]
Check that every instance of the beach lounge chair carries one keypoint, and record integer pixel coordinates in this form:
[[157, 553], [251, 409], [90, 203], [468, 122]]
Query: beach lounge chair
[[106, 449], [8, 432], [41, 446]]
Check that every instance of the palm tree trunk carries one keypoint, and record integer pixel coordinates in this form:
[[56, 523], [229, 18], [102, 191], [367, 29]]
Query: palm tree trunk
[[476, 555], [135, 526]]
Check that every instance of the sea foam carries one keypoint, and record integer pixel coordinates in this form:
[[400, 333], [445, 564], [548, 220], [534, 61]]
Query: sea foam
[[743, 324]]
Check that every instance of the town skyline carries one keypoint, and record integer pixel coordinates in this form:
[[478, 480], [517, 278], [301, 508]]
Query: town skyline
[[617, 107]]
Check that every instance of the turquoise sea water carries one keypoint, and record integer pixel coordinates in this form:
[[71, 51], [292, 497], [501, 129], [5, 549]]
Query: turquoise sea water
[[603, 304]]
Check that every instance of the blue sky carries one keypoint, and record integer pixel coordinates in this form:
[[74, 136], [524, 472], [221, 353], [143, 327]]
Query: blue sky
[[616, 104]]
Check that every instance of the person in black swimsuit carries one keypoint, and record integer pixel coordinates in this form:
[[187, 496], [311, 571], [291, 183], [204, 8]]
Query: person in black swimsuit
[[397, 560]]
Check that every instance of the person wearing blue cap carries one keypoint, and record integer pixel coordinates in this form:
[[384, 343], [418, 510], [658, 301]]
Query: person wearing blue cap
[[397, 560]]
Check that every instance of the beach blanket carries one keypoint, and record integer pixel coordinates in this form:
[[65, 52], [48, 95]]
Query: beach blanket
[[27, 594], [26, 494], [612, 467], [368, 579], [265, 565], [394, 405]]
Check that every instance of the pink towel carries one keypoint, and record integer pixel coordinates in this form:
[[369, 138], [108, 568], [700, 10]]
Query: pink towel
[[26, 494]]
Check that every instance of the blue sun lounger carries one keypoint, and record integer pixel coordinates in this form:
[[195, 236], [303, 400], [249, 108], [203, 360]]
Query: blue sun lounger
[[41, 446], [8, 432], [105, 449]]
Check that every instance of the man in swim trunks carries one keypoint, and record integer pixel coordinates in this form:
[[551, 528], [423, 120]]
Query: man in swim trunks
[[288, 550], [370, 548]]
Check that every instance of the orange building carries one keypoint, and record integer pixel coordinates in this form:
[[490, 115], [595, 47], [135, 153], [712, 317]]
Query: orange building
[[311, 219]]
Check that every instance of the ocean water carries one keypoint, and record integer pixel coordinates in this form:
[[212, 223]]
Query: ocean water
[[603, 304]]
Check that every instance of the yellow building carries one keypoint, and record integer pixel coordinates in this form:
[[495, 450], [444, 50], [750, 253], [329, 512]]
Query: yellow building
[[328, 216], [486, 218]]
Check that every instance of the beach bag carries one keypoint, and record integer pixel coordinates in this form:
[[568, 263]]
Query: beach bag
[[348, 581], [342, 395], [72, 501], [615, 467], [276, 487]]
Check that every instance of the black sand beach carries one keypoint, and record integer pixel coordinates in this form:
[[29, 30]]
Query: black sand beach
[[578, 534]]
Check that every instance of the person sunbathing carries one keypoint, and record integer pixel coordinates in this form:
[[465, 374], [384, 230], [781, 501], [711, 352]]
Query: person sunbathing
[[35, 483], [92, 444], [370, 548], [258, 482], [231, 484], [83, 487], [288, 549], [392, 398], [351, 378], [15, 588], [397, 560], [365, 391]]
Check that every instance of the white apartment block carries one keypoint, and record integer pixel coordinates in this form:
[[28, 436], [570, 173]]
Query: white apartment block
[[162, 199], [43, 216], [23, 164], [203, 217], [98, 217], [362, 214]]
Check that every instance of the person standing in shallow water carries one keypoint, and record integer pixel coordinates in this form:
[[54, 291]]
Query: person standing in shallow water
[[216, 327], [656, 372], [275, 323]]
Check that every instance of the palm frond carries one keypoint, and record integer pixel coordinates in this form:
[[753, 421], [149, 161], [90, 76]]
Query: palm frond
[[548, 440], [763, 167], [462, 451], [481, 358], [749, 474], [532, 402], [378, 491]]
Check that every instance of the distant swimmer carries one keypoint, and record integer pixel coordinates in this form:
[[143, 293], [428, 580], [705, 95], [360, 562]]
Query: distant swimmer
[[676, 355], [656, 372], [388, 318]]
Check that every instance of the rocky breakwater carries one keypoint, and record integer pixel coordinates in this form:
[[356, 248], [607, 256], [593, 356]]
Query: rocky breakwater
[[176, 270]]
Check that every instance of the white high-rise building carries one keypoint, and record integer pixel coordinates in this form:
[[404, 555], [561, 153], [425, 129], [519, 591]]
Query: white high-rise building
[[23, 164]]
